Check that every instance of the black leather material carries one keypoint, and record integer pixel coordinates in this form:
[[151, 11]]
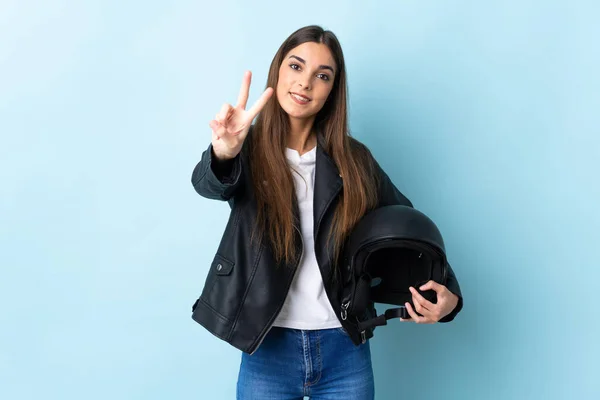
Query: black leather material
[[240, 302]]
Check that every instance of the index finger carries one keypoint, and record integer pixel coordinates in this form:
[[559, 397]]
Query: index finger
[[432, 285], [424, 302], [244, 90], [260, 103]]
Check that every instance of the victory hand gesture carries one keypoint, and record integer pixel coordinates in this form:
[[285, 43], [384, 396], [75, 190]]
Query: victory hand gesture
[[231, 125]]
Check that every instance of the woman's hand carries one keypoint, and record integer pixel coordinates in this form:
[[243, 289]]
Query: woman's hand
[[431, 313], [231, 125]]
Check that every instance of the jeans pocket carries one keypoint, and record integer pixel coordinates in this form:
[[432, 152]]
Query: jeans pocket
[[342, 331]]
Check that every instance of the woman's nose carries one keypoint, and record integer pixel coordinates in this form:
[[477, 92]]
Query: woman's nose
[[304, 83]]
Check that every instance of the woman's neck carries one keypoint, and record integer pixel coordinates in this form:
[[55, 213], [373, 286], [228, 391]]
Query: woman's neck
[[301, 136]]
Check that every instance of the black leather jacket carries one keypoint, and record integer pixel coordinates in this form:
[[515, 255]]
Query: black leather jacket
[[244, 291]]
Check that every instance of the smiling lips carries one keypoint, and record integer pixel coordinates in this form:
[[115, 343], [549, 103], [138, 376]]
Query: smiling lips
[[299, 98]]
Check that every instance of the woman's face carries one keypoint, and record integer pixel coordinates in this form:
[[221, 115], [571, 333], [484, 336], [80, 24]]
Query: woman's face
[[307, 71]]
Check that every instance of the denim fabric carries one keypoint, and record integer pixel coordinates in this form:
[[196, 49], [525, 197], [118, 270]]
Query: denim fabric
[[322, 364]]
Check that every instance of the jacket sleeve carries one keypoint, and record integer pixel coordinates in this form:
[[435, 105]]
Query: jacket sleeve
[[388, 192], [454, 287], [390, 195], [217, 180]]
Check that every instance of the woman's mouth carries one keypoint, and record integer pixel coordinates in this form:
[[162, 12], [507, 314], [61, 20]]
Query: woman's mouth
[[299, 99]]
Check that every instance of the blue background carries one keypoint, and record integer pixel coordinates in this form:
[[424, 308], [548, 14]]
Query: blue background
[[485, 114]]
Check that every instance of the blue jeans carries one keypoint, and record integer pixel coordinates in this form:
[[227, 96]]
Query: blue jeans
[[322, 364]]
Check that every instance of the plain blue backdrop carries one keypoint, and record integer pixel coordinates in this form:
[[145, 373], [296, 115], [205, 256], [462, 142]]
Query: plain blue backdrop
[[485, 114]]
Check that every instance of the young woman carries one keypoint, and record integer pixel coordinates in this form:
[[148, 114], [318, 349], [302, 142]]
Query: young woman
[[297, 183]]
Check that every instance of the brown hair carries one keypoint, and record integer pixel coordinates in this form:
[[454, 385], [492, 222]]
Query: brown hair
[[267, 143]]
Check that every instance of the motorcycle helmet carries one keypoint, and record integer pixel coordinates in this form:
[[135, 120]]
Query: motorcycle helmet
[[390, 249]]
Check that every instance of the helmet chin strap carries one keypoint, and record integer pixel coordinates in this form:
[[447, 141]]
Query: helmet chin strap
[[382, 319]]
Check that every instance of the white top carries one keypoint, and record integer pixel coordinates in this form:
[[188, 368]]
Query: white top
[[306, 305]]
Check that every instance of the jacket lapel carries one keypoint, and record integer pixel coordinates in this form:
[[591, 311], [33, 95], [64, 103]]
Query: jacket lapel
[[328, 183]]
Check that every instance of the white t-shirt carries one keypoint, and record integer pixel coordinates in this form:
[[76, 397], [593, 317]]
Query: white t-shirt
[[306, 305]]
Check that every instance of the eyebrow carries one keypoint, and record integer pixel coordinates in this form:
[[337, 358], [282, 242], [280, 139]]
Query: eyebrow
[[320, 66]]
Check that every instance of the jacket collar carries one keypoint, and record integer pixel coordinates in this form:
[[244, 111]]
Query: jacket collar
[[328, 183]]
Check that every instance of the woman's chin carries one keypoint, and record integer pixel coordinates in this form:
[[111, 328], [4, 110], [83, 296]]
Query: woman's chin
[[293, 112]]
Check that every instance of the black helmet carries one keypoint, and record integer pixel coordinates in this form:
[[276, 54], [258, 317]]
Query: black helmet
[[390, 249]]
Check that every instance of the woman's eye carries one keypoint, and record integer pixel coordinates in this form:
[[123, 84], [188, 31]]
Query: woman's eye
[[325, 77]]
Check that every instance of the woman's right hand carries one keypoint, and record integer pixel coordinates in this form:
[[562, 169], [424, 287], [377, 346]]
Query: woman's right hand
[[231, 125]]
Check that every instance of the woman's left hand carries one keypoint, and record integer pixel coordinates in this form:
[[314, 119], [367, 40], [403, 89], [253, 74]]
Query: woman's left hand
[[431, 313]]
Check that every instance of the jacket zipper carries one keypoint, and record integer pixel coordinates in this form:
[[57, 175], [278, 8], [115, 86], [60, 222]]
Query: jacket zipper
[[287, 290]]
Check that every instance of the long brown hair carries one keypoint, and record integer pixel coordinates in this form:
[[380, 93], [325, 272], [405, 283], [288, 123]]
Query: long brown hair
[[271, 176]]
